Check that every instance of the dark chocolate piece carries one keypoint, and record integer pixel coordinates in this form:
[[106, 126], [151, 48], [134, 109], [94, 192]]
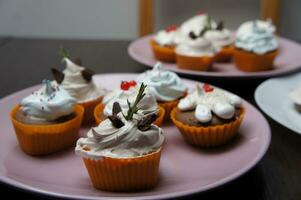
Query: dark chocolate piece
[[145, 123], [192, 35], [58, 75], [116, 121], [116, 108], [220, 26], [87, 74], [78, 61]]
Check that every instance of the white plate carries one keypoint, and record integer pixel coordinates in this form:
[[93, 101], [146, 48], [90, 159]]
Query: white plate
[[272, 97]]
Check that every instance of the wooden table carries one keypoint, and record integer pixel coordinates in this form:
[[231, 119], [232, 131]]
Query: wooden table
[[25, 62]]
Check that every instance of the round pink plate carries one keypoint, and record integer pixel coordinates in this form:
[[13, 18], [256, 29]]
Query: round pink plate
[[184, 169], [287, 61]]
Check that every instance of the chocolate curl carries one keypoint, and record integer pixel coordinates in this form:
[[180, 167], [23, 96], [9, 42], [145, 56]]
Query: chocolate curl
[[220, 26], [58, 75], [145, 123], [87, 74], [192, 35], [116, 108], [116, 121]]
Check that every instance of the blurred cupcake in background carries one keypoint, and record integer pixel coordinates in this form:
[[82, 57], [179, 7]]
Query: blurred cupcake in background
[[166, 87], [164, 42], [256, 46], [47, 121], [295, 96], [126, 94], [78, 82]]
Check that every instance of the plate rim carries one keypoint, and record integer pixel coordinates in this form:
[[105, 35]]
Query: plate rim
[[28, 188], [252, 75]]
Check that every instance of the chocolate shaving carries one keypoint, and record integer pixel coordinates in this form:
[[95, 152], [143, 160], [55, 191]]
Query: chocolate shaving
[[116, 108], [58, 75], [78, 61], [116, 121], [192, 35], [220, 26], [87, 74], [145, 123]]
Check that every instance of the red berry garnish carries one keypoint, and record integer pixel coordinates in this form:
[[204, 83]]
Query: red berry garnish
[[207, 88], [125, 85], [200, 13], [133, 83], [171, 28], [185, 93]]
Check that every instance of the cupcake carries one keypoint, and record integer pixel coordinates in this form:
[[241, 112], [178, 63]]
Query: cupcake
[[165, 85], [78, 82], [47, 121], [256, 46], [195, 53], [222, 39], [164, 42], [208, 116], [295, 96], [123, 152], [126, 94]]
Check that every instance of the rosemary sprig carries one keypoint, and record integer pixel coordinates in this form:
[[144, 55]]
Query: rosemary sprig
[[64, 53], [133, 109]]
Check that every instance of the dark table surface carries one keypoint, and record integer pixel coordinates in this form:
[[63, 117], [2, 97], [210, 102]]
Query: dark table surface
[[25, 62]]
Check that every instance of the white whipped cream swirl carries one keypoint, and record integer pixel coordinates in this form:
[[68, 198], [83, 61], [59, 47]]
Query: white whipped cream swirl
[[196, 24], [163, 84], [196, 47], [220, 102], [168, 38], [220, 38]]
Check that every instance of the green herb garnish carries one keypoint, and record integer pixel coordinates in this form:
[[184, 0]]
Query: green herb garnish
[[133, 109]]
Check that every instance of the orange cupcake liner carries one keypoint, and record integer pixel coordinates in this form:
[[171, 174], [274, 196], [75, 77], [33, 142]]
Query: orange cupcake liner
[[100, 107], [89, 107], [46, 139], [194, 62], [210, 136], [168, 106], [124, 174], [163, 53], [251, 62], [225, 54]]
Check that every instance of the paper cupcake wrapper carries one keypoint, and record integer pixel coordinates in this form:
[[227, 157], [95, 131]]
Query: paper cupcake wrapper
[[100, 107], [208, 136], [46, 139], [225, 55], [251, 62], [89, 107], [162, 53], [194, 62], [124, 174], [168, 106]]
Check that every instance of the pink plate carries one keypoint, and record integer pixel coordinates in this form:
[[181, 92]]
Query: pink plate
[[64, 175], [287, 61]]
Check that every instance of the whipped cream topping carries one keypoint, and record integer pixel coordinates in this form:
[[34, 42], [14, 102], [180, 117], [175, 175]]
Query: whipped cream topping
[[295, 96], [125, 142], [196, 47], [196, 24], [219, 38], [168, 38], [256, 36], [79, 88], [147, 105], [206, 100], [163, 84], [48, 103]]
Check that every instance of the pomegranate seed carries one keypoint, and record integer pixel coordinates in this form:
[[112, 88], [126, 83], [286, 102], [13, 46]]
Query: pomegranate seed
[[132, 83], [207, 88], [124, 85]]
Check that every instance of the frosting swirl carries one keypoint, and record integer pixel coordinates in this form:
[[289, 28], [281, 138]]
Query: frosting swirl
[[207, 99], [219, 38], [48, 103], [147, 105], [79, 88], [168, 38], [125, 142], [196, 47], [163, 84], [256, 36]]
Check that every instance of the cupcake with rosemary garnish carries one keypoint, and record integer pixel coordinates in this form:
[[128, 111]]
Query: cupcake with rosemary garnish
[[47, 121], [165, 85], [208, 116], [123, 152], [126, 94], [164, 42], [78, 82]]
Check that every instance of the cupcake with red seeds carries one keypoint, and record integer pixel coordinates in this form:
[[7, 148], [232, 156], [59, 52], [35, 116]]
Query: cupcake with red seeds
[[208, 116], [125, 95], [164, 42]]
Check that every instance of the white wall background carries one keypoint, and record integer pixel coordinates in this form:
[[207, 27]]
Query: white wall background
[[117, 19]]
